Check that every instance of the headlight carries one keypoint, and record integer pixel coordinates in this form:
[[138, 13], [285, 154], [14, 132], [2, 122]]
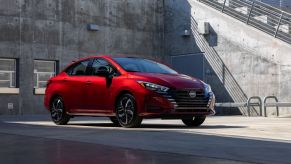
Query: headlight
[[153, 86], [207, 88]]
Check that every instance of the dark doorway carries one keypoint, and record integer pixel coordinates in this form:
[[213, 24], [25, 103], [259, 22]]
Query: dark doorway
[[189, 64]]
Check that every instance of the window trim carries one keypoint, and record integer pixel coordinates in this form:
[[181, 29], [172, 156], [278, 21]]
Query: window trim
[[41, 91], [11, 89], [52, 74]]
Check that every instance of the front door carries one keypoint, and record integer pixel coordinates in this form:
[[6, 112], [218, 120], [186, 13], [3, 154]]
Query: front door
[[100, 88]]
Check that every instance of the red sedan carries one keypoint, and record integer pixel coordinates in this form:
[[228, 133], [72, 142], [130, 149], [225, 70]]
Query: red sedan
[[127, 90]]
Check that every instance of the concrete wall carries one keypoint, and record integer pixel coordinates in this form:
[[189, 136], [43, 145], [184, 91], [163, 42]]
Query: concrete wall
[[56, 30], [257, 64]]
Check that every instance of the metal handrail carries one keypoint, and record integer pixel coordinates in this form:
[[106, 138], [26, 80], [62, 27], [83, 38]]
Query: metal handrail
[[267, 105], [275, 23]]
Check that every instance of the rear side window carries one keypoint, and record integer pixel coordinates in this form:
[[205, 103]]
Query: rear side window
[[78, 69]]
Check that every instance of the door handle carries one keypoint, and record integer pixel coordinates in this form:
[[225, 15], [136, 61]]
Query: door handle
[[64, 80], [88, 82]]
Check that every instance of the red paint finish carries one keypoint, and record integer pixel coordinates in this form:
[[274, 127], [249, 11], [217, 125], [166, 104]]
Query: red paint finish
[[89, 94]]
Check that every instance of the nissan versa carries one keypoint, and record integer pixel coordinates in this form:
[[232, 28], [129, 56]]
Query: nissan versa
[[127, 90]]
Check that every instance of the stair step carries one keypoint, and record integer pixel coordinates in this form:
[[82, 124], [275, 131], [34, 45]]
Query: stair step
[[284, 28], [262, 18], [243, 10], [222, 2]]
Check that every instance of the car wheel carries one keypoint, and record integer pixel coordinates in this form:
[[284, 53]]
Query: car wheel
[[195, 121], [58, 113], [114, 121], [126, 112]]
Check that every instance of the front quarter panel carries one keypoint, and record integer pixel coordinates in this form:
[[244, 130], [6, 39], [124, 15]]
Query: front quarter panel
[[126, 85], [55, 88]]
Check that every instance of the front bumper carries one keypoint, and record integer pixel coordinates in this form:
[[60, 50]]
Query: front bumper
[[178, 105]]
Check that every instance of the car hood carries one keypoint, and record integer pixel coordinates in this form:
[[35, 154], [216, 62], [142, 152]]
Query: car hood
[[177, 81]]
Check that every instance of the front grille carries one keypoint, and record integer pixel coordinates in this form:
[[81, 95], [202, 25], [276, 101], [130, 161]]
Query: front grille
[[183, 102]]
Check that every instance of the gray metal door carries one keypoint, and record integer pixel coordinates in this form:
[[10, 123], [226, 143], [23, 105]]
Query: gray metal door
[[190, 64]]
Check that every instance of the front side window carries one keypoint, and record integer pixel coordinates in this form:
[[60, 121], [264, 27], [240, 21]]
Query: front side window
[[7, 73], [79, 69], [101, 64], [43, 71], [143, 65]]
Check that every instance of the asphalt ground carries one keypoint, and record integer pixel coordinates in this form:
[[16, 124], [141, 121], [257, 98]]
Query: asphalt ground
[[35, 139]]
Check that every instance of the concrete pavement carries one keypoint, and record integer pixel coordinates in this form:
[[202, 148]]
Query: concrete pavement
[[219, 140]]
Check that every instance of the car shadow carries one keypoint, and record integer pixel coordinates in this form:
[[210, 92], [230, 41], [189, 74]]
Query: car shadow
[[159, 126]]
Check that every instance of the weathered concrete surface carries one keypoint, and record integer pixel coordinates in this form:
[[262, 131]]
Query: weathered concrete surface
[[260, 63], [251, 63], [253, 139], [34, 149], [57, 30]]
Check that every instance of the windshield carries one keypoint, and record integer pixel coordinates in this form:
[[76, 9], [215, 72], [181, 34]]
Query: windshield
[[143, 65]]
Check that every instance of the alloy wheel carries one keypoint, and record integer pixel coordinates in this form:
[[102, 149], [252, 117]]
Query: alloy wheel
[[57, 109], [125, 110], [58, 112]]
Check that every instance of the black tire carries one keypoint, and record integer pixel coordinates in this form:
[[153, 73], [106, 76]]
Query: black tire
[[126, 112], [58, 112], [114, 121], [195, 121]]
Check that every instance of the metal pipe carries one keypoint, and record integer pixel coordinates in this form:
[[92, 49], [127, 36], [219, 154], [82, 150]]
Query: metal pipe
[[279, 24]]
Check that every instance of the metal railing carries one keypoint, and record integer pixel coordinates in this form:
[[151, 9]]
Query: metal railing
[[264, 17], [222, 72], [10, 79]]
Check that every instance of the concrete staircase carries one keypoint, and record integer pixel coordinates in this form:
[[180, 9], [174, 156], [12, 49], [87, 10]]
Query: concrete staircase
[[269, 19], [248, 61]]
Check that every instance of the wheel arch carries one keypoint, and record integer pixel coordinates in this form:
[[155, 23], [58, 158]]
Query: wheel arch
[[52, 98], [119, 95]]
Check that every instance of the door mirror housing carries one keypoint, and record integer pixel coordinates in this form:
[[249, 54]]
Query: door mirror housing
[[103, 71]]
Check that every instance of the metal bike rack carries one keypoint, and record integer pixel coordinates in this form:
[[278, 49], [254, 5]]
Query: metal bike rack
[[247, 104], [271, 104], [261, 104], [276, 104], [250, 104]]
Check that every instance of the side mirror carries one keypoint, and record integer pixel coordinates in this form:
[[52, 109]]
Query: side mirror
[[103, 71]]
